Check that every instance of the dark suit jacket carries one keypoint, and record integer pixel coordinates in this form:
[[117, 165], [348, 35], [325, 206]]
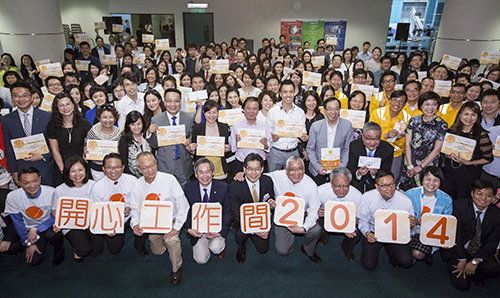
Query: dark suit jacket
[[463, 210], [13, 129], [240, 194], [219, 193], [95, 53], [385, 151], [199, 130]]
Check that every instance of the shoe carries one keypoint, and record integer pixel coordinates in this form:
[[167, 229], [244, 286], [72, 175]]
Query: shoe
[[241, 255], [429, 260], [59, 257], [221, 254], [349, 254], [77, 258], [478, 282], [315, 258], [143, 252], [176, 277]]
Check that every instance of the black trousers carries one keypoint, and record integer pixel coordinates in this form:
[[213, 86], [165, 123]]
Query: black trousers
[[261, 245], [47, 238], [348, 243], [114, 244], [80, 241], [488, 268], [399, 254], [140, 242]]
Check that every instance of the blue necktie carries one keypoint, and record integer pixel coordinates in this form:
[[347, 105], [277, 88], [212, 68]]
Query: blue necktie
[[177, 147], [205, 196], [371, 153]]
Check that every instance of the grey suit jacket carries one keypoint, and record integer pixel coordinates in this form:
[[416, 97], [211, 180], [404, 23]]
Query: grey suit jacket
[[318, 139], [182, 168]]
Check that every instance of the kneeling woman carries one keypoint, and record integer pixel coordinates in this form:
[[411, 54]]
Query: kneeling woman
[[427, 199], [76, 183]]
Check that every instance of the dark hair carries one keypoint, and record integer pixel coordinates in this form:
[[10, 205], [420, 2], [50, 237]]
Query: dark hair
[[84, 43], [21, 84], [148, 114], [490, 92], [253, 157], [428, 96], [115, 85], [388, 73], [336, 73], [286, 82], [31, 62], [482, 184], [229, 90], [29, 170], [434, 171], [132, 117], [52, 78], [354, 94], [383, 173], [107, 107], [399, 93], [67, 167], [314, 94], [419, 85], [251, 99], [323, 92], [210, 104], [94, 89], [458, 125], [172, 90], [153, 69], [110, 156], [57, 118], [331, 99], [129, 76], [10, 73], [268, 93], [12, 62]]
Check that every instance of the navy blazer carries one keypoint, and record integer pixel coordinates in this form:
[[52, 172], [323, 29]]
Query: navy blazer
[[218, 194], [240, 194], [13, 129]]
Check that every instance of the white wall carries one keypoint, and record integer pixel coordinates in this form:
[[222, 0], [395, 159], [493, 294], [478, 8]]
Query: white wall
[[83, 12], [462, 19]]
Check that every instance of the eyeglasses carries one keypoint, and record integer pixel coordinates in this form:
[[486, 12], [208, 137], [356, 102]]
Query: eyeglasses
[[23, 96], [392, 184], [388, 81], [457, 92]]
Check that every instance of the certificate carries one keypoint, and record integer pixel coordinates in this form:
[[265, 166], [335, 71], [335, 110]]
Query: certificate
[[287, 70], [80, 37], [101, 79], [451, 62], [398, 87], [41, 62], [197, 95], [231, 116], [148, 38], [318, 61], [289, 129], [331, 40], [24, 147], [356, 117], [210, 146], [51, 69], [330, 158], [109, 59], [496, 147], [490, 57], [171, 135], [117, 28], [459, 145], [366, 89], [369, 162], [139, 58], [421, 75], [99, 25], [250, 138], [442, 88], [46, 103], [162, 44], [82, 65], [311, 78], [220, 66], [97, 149]]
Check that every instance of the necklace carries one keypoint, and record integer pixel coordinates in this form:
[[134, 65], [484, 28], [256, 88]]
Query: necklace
[[70, 132]]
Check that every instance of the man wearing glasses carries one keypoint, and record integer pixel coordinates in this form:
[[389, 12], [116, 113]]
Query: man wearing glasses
[[448, 112], [381, 99], [369, 145], [385, 197]]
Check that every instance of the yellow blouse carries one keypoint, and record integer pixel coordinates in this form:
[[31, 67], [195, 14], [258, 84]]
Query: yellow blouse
[[383, 118]]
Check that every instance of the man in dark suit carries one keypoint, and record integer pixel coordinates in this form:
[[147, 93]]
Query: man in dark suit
[[26, 121], [207, 190], [369, 145], [478, 235], [174, 159], [100, 48], [254, 188], [205, 68]]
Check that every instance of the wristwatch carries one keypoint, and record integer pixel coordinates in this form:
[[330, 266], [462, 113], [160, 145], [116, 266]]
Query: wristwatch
[[475, 262]]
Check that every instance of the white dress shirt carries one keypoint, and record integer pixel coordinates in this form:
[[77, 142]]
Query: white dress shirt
[[168, 189], [331, 131], [105, 188], [353, 195], [127, 105], [30, 117], [276, 113], [202, 191], [305, 189], [241, 153], [372, 201]]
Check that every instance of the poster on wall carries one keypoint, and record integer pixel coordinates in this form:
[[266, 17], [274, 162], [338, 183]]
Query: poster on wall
[[312, 31], [335, 33], [292, 30]]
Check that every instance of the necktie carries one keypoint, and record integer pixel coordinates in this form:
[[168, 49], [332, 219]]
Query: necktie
[[255, 197], [27, 125], [177, 147], [371, 153], [475, 243], [205, 196]]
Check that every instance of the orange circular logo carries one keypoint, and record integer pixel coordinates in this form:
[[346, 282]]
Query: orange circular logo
[[152, 197], [162, 131], [280, 123], [202, 141], [450, 139], [344, 113], [92, 144], [34, 212], [243, 133], [222, 114], [289, 194], [117, 197], [18, 143]]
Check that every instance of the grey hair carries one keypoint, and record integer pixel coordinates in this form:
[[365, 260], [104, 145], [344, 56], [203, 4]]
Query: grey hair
[[293, 159], [142, 155], [202, 161], [341, 171], [372, 126]]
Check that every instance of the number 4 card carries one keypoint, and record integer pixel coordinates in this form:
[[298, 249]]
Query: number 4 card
[[438, 230]]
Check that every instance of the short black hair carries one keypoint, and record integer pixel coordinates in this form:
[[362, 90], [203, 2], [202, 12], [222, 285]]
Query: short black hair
[[383, 173], [434, 171], [172, 90], [29, 170], [21, 84], [67, 167], [286, 82], [110, 156], [253, 157], [482, 184], [428, 96]]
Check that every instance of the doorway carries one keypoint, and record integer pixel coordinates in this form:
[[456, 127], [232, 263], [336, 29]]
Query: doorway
[[198, 28]]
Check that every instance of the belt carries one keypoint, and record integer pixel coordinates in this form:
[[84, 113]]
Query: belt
[[287, 150]]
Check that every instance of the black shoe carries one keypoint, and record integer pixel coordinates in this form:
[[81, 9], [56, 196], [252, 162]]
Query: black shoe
[[241, 255], [176, 277], [143, 252], [349, 254], [429, 260], [315, 258], [59, 256], [478, 282], [221, 255]]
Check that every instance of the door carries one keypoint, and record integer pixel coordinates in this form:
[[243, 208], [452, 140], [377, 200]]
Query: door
[[198, 28]]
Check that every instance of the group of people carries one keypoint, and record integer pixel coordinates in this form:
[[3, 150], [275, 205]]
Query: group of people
[[393, 161]]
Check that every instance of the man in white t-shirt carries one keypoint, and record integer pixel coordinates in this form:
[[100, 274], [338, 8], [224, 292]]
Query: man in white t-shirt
[[30, 210], [163, 187], [132, 101]]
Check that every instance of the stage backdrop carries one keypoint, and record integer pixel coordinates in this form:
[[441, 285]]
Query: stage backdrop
[[296, 32]]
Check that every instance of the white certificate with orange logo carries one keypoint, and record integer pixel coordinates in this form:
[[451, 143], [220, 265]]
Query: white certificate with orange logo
[[496, 147], [318, 61], [451, 62], [24, 147], [82, 65], [51, 69], [289, 129], [219, 66], [46, 103], [117, 28], [368, 90], [311, 78], [459, 145], [97, 149], [231, 116], [148, 38], [162, 44], [41, 62], [210, 146], [490, 57], [356, 117], [171, 135], [330, 158], [250, 138], [109, 59], [442, 88]]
